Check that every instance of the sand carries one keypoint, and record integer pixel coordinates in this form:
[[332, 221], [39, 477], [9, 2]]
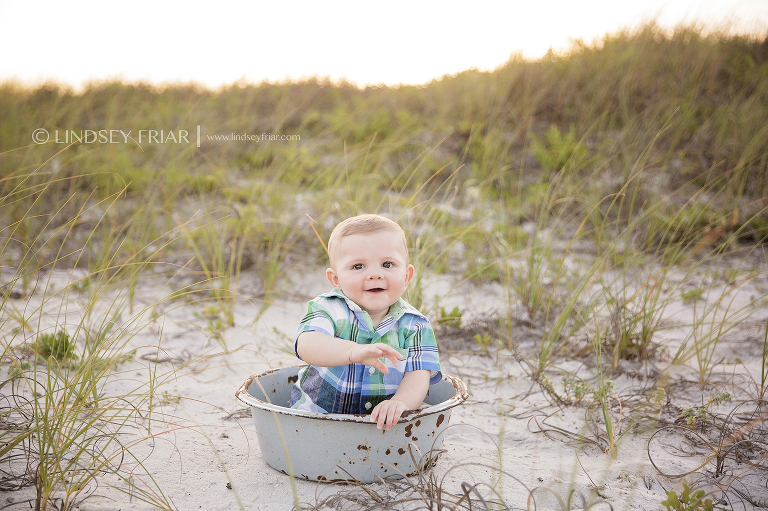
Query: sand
[[201, 448]]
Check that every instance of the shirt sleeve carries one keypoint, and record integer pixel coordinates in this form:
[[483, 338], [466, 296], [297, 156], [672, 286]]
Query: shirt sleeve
[[317, 319], [422, 350]]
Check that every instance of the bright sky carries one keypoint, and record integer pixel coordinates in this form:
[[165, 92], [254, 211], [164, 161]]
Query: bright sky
[[390, 42]]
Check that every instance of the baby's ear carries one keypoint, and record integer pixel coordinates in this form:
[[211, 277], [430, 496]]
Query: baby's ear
[[408, 274], [330, 274]]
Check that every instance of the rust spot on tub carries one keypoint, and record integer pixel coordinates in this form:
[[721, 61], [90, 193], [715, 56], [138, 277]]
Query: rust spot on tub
[[418, 423], [363, 448], [408, 429], [388, 451], [401, 451], [322, 478], [440, 419], [337, 480], [415, 439], [293, 379]]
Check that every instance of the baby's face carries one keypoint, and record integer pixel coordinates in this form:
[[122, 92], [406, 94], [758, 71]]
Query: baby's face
[[371, 269]]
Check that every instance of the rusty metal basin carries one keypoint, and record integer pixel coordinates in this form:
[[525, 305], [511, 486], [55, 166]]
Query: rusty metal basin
[[337, 447]]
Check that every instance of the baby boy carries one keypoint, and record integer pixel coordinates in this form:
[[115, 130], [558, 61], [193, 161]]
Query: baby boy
[[369, 351]]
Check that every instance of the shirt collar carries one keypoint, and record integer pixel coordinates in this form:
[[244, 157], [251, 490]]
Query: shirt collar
[[396, 310]]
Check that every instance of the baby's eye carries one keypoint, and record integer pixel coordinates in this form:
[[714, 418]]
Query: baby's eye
[[358, 266], [388, 264]]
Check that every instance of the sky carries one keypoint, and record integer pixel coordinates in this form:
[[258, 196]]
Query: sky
[[391, 42]]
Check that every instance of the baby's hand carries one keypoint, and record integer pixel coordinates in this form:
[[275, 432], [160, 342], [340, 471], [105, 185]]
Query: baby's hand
[[369, 354], [388, 412]]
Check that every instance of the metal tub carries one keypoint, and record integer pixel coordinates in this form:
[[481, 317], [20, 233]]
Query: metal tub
[[337, 447]]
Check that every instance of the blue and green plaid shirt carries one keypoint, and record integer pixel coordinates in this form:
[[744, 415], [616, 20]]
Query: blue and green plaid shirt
[[357, 388]]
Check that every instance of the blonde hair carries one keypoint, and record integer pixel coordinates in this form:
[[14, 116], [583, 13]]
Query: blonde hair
[[364, 224]]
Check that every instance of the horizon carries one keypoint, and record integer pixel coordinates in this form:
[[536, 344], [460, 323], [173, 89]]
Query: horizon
[[444, 40]]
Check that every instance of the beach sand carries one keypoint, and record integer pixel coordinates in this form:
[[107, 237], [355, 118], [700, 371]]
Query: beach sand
[[199, 446]]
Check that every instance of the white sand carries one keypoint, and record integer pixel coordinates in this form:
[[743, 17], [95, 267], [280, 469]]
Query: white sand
[[203, 440]]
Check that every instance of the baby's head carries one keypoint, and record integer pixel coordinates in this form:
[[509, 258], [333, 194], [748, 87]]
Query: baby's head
[[369, 262], [365, 225]]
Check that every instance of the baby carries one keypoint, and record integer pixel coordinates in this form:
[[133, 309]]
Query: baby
[[349, 330]]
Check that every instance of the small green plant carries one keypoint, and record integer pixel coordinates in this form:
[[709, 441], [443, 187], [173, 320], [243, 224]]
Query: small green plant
[[214, 325], [718, 399], [17, 370], [548, 386], [483, 341], [531, 280], [450, 319], [657, 395], [603, 395], [695, 415], [558, 149], [58, 345], [166, 398], [687, 501], [698, 415], [692, 294], [576, 389], [635, 318]]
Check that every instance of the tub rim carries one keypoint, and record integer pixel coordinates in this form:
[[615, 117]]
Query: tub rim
[[242, 395]]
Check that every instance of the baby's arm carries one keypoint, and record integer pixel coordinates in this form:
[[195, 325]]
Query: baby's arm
[[322, 350], [409, 396]]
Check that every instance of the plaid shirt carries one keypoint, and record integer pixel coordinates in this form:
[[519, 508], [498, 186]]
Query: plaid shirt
[[357, 388]]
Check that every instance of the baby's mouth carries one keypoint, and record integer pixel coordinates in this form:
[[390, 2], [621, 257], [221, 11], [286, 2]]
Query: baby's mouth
[[375, 290]]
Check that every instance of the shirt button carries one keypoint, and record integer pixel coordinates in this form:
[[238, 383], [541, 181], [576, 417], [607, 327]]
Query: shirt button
[[371, 370], [368, 405]]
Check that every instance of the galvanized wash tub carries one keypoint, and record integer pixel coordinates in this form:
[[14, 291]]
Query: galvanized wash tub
[[336, 447]]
